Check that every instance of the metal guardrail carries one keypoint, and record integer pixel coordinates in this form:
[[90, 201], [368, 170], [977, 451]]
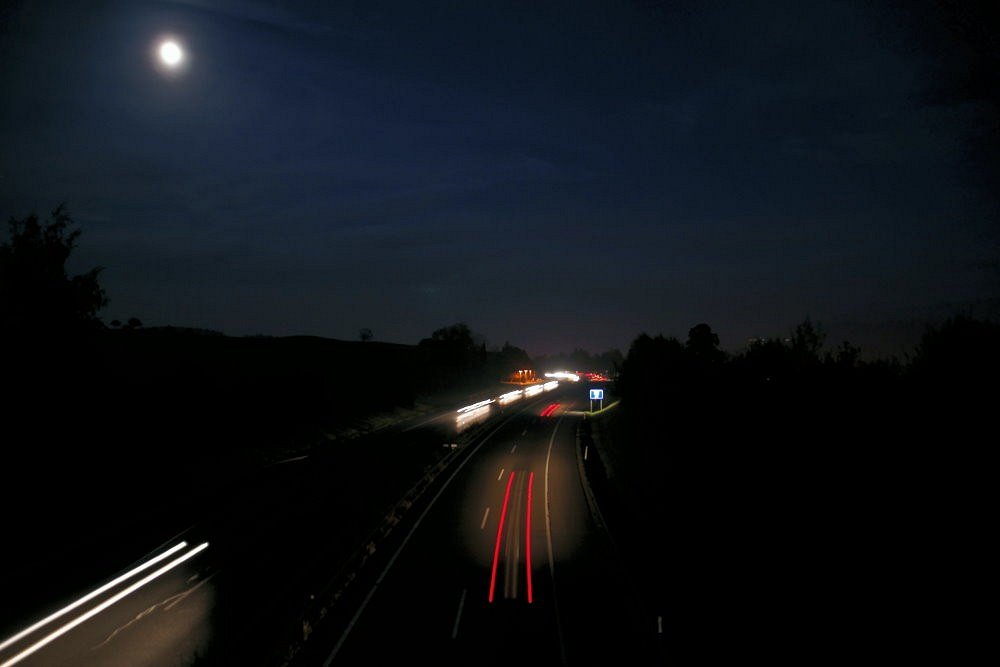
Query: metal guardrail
[[321, 604]]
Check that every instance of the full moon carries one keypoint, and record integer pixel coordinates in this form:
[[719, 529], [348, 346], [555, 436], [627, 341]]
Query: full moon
[[171, 54]]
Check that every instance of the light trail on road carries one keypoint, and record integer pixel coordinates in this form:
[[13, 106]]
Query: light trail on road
[[90, 596], [496, 551], [48, 639]]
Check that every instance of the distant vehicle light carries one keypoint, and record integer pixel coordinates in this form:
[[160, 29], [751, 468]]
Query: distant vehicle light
[[464, 420], [510, 397], [475, 406]]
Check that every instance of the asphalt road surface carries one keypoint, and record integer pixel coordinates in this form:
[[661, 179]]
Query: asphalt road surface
[[503, 559], [508, 564]]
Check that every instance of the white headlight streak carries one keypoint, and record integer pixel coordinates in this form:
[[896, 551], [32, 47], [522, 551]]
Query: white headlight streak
[[48, 639]]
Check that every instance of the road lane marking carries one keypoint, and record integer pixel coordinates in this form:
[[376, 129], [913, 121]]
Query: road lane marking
[[496, 550], [90, 596], [527, 539], [659, 625], [416, 524], [41, 643], [485, 514], [166, 604], [500, 475], [513, 448], [294, 458], [458, 616], [548, 538], [586, 448], [524, 432]]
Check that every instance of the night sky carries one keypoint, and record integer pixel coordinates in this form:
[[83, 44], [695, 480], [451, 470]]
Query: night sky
[[561, 175]]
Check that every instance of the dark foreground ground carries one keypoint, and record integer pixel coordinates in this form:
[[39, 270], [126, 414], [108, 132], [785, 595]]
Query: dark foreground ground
[[798, 527], [808, 523]]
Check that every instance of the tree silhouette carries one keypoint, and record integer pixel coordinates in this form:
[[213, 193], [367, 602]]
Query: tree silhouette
[[703, 344], [807, 340], [653, 369], [365, 335], [451, 351], [962, 354], [37, 297]]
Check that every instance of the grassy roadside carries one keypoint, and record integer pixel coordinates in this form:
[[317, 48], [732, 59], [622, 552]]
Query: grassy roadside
[[629, 496], [789, 528]]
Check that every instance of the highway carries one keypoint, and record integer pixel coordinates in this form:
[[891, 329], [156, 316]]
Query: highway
[[500, 559], [507, 564]]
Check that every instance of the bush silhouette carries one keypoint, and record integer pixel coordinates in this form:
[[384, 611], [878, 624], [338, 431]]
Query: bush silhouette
[[37, 297]]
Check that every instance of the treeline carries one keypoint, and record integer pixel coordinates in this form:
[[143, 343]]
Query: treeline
[[452, 357], [797, 485], [962, 352]]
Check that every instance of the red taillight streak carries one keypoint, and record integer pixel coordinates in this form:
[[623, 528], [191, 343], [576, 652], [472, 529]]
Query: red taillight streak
[[527, 532], [496, 551]]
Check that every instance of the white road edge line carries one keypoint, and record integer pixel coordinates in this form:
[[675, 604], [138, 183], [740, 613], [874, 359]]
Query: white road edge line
[[548, 539], [500, 475], [482, 526], [41, 643], [458, 616], [90, 596], [416, 524]]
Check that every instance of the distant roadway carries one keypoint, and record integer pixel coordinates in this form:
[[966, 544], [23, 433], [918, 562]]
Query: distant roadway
[[503, 561], [507, 565]]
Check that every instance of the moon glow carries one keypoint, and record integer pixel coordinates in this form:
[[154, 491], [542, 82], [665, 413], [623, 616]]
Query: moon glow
[[171, 54]]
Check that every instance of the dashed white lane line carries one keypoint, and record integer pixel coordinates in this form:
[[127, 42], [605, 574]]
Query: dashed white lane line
[[524, 432], [500, 475], [659, 625], [586, 448], [485, 514], [388, 567], [458, 616], [513, 448]]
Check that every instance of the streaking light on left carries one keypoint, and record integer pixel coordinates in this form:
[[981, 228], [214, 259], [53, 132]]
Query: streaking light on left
[[91, 595], [51, 637]]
